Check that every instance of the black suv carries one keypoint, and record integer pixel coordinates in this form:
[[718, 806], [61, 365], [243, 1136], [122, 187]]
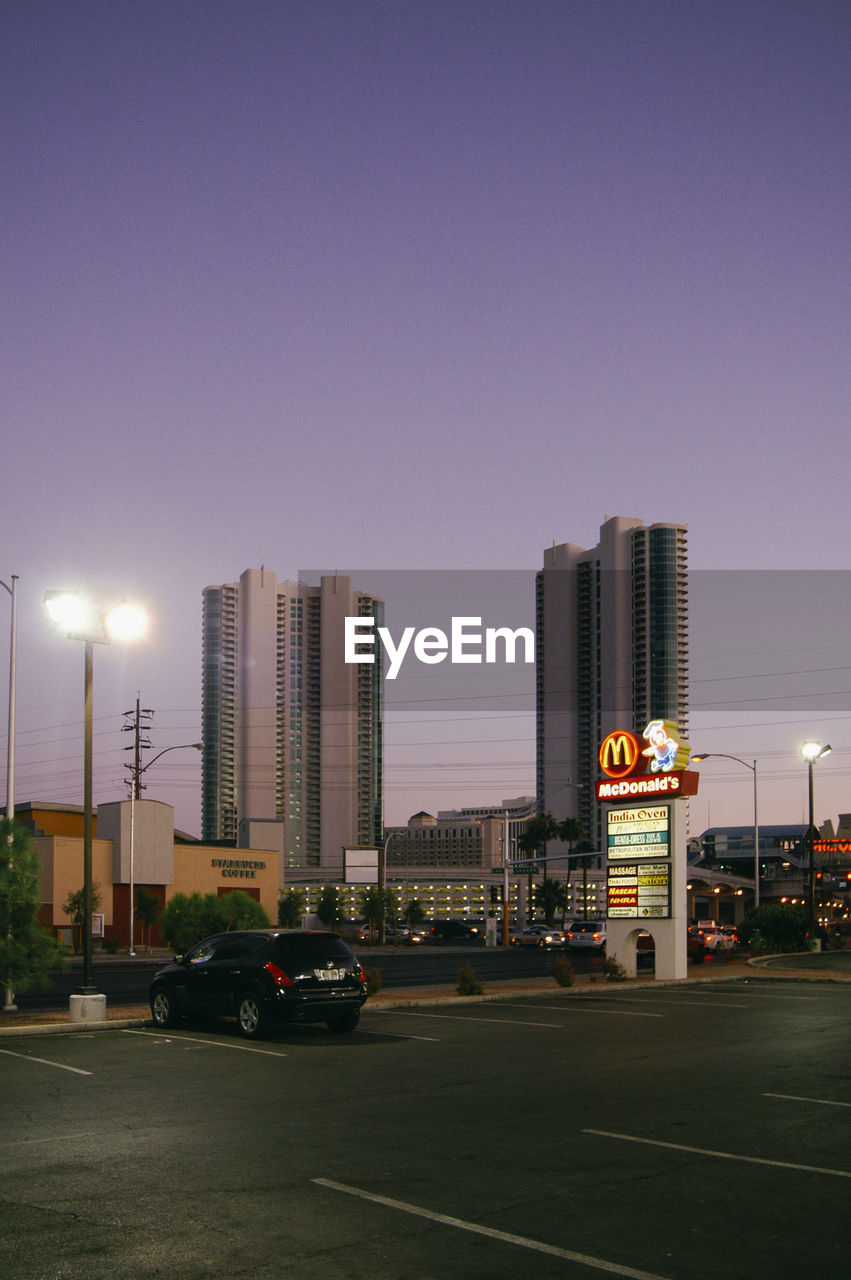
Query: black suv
[[263, 976], [453, 931]]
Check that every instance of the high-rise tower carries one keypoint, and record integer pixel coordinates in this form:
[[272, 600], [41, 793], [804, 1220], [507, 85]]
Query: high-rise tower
[[292, 732], [612, 653]]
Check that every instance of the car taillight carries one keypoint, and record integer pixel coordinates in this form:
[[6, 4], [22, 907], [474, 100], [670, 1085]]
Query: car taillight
[[596, 937], [361, 972], [278, 976]]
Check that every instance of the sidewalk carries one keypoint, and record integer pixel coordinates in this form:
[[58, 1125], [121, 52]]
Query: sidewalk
[[809, 967]]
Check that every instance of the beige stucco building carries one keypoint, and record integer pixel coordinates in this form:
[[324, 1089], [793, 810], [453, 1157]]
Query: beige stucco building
[[137, 841]]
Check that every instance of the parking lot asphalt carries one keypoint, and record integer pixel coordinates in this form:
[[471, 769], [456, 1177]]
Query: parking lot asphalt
[[824, 967], [656, 1131]]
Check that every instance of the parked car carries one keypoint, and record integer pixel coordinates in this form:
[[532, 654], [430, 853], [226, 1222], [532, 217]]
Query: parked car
[[262, 977], [538, 935], [453, 931], [587, 934]]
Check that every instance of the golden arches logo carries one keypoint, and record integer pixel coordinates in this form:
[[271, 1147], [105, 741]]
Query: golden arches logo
[[620, 754]]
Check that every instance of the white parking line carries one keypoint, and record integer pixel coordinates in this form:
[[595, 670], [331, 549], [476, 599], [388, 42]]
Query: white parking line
[[218, 1044], [570, 1255], [585, 1008], [690, 999], [45, 1062], [463, 1017], [794, 1097], [720, 1155]]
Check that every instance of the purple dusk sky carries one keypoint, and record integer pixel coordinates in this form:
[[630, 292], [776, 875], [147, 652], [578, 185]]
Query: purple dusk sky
[[416, 285]]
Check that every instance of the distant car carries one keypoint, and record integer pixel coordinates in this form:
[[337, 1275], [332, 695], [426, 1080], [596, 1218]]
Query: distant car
[[645, 948], [587, 934], [712, 936], [399, 934], [453, 931], [262, 977], [538, 935]]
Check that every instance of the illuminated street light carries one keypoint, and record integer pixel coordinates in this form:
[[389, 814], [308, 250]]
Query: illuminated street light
[[708, 755], [125, 622], [812, 751]]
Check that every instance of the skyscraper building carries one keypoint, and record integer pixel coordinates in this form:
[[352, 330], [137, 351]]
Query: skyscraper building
[[292, 733], [612, 653]]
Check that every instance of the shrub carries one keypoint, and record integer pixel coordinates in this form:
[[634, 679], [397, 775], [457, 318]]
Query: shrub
[[614, 971], [775, 927], [562, 971], [467, 983], [186, 920], [373, 981]]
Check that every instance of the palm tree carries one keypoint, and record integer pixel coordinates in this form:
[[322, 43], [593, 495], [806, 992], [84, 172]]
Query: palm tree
[[291, 908], [585, 846], [329, 909], [540, 829], [550, 896], [372, 904], [569, 831], [414, 913]]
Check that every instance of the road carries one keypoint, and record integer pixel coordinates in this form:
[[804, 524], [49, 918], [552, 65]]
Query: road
[[123, 980], [664, 1133]]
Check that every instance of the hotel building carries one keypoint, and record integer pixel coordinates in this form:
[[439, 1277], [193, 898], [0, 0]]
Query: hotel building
[[292, 733], [612, 653]]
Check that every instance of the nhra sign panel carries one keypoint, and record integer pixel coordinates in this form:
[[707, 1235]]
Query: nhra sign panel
[[626, 763]]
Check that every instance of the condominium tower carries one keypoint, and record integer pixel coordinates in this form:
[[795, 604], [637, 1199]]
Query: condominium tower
[[292, 733], [612, 653]]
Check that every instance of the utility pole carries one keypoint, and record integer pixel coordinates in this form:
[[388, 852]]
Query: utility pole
[[139, 722]]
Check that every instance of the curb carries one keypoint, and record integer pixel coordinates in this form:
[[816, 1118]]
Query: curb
[[755, 967]]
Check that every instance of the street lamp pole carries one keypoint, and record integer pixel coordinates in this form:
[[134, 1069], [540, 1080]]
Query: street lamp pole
[[125, 621], [10, 745], [10, 1006], [812, 751], [135, 793], [88, 987], [709, 755]]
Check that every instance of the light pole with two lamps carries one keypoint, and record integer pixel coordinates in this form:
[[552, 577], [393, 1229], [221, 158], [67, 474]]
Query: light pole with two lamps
[[124, 621], [812, 751], [722, 755], [10, 1006]]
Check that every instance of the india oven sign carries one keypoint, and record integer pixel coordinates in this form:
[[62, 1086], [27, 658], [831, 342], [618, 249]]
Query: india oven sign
[[639, 831]]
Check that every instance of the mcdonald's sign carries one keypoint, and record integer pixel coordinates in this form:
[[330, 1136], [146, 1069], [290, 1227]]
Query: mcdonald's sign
[[621, 754]]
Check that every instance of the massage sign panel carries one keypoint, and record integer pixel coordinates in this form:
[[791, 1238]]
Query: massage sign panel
[[645, 777]]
